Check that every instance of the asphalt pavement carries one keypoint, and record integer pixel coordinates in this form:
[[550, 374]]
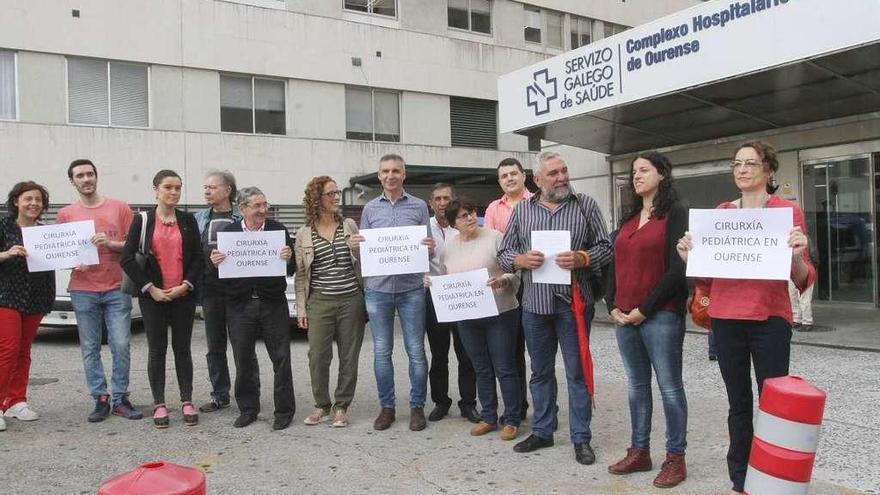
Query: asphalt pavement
[[62, 453]]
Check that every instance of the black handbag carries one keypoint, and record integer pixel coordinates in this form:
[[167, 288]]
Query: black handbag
[[140, 258]]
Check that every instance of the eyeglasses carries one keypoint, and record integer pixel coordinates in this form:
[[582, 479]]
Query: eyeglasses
[[332, 193], [259, 206], [466, 215], [748, 164]]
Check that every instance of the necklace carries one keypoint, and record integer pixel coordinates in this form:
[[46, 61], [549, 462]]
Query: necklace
[[167, 220]]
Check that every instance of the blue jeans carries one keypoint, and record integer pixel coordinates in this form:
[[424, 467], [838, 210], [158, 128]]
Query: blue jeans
[[491, 345], [543, 334], [93, 311], [410, 308], [656, 343]]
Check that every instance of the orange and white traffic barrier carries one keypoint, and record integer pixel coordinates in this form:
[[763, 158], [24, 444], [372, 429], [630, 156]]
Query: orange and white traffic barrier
[[786, 435]]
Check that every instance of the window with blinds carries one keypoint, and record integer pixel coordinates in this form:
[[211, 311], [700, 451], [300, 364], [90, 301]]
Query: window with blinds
[[100, 92], [252, 105], [8, 103], [474, 122]]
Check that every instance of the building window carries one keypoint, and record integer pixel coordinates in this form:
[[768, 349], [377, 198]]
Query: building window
[[543, 26], [8, 96], [472, 15], [372, 114], [581, 31], [252, 105], [611, 29], [379, 7], [474, 122], [107, 93], [534, 143]]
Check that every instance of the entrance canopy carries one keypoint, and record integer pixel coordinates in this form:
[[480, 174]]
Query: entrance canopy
[[718, 69], [427, 175]]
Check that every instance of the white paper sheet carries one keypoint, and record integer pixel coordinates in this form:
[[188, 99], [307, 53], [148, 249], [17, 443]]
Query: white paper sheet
[[394, 251], [551, 243], [251, 254], [463, 296], [60, 246]]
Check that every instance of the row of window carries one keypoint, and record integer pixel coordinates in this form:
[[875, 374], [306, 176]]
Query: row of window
[[116, 94]]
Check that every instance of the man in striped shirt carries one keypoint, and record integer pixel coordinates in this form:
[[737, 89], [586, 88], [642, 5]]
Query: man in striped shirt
[[547, 315]]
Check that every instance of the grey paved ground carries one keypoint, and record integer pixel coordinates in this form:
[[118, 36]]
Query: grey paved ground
[[61, 453]]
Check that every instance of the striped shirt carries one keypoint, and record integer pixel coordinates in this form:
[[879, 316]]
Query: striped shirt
[[581, 216], [332, 270]]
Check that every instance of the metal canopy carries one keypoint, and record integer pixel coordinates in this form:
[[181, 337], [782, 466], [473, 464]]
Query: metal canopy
[[842, 84], [426, 175]]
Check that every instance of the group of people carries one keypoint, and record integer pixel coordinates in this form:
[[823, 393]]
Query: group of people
[[170, 259]]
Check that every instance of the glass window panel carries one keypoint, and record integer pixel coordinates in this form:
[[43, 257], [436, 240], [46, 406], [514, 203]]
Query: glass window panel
[[7, 85], [481, 16], [387, 109], [532, 24], [129, 101], [269, 107], [236, 100], [358, 113], [384, 7], [359, 5], [554, 29], [87, 91], [457, 14], [609, 29], [585, 30]]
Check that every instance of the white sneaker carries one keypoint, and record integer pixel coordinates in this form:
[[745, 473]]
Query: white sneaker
[[2, 424], [317, 417], [22, 412]]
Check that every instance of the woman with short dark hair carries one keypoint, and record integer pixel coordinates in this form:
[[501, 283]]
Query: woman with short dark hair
[[751, 319], [174, 263], [25, 298]]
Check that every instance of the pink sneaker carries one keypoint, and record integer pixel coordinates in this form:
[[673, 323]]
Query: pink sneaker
[[190, 416], [160, 417]]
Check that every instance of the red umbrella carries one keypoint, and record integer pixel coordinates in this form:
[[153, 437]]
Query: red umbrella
[[583, 329]]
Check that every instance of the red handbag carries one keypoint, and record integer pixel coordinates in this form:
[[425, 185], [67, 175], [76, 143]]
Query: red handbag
[[699, 307]]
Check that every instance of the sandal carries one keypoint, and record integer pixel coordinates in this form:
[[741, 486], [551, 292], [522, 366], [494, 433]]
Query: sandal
[[190, 416], [160, 417]]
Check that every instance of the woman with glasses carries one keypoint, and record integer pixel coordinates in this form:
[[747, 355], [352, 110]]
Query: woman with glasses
[[174, 262], [751, 319], [490, 342], [329, 299]]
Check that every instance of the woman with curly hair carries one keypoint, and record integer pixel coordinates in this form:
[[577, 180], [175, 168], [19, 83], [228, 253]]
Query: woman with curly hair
[[646, 297], [329, 298]]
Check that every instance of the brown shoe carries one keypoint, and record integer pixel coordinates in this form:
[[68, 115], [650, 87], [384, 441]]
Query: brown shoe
[[417, 421], [509, 432], [482, 428], [385, 418], [636, 460], [672, 472]]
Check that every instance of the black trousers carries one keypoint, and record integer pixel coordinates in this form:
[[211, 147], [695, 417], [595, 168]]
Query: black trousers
[[438, 375], [158, 317], [249, 319], [214, 311], [741, 343]]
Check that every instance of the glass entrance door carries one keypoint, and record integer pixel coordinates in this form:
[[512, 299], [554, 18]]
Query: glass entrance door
[[838, 204]]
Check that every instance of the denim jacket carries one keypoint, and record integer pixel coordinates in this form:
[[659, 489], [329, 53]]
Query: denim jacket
[[204, 216]]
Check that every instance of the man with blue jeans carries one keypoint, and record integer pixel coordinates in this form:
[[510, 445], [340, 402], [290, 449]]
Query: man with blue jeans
[[404, 293], [96, 295], [547, 315]]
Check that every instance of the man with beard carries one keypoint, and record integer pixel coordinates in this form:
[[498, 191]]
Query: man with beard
[[96, 295], [547, 316]]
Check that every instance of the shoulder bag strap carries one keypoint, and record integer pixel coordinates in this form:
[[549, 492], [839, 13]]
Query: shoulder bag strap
[[143, 232]]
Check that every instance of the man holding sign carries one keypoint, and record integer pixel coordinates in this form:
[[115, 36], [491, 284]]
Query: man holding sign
[[401, 293], [96, 294], [257, 306], [547, 317]]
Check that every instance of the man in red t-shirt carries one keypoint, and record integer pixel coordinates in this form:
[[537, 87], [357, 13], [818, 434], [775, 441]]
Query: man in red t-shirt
[[96, 295]]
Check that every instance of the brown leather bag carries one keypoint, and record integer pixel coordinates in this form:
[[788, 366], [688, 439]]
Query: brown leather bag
[[699, 307]]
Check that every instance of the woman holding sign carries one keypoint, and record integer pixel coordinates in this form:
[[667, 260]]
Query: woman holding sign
[[24, 299], [490, 342], [646, 297], [751, 319], [329, 298], [172, 248]]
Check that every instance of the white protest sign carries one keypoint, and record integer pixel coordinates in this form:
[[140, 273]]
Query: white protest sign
[[551, 243], [463, 296], [59, 246], [748, 243], [251, 254], [394, 251]]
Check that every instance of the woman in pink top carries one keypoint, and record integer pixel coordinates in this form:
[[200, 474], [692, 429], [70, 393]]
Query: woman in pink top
[[751, 319], [174, 262]]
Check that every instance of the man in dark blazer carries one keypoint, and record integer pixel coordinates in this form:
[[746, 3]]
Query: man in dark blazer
[[257, 306]]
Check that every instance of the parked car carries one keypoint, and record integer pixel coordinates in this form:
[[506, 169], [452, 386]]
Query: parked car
[[290, 294], [62, 314]]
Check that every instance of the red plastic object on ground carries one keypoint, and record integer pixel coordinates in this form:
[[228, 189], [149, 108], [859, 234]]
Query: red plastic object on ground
[[786, 435], [157, 478]]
